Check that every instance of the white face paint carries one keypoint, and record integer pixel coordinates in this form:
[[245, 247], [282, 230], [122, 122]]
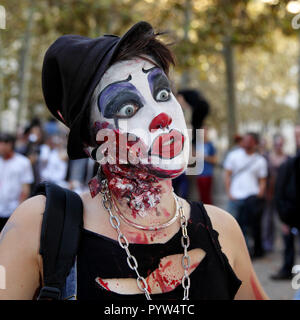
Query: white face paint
[[135, 97]]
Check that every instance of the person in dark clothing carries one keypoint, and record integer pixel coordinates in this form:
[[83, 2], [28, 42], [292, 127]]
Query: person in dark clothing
[[285, 271], [289, 233], [33, 139], [274, 158], [200, 108], [121, 90]]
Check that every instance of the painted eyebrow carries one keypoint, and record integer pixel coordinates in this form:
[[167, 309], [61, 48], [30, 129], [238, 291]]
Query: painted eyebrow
[[156, 78], [116, 82], [148, 70]]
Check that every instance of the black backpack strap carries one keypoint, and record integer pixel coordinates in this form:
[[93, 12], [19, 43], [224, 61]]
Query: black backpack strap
[[60, 234]]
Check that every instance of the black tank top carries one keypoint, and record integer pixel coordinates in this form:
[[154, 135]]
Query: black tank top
[[100, 256]]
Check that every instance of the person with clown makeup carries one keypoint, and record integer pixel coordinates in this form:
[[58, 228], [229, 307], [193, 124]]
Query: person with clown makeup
[[139, 240]]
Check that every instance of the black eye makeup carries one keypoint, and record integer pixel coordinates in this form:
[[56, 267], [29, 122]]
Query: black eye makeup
[[124, 105], [162, 95], [159, 85], [120, 100]]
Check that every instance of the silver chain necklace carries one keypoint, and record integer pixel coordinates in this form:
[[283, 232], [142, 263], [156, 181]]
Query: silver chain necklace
[[131, 260]]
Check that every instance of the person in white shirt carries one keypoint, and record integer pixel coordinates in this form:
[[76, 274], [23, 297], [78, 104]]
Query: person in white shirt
[[245, 180], [53, 161], [15, 177]]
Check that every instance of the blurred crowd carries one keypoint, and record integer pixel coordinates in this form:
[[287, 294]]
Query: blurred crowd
[[251, 173], [38, 153]]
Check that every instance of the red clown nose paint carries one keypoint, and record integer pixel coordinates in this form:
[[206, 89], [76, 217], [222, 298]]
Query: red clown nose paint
[[159, 122]]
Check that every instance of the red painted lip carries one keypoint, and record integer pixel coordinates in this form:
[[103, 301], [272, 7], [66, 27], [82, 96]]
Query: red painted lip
[[167, 145]]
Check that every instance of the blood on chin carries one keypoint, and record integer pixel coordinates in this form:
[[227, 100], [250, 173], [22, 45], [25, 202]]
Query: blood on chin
[[137, 183]]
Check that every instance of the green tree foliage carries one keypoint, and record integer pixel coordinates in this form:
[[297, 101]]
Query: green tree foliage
[[199, 29]]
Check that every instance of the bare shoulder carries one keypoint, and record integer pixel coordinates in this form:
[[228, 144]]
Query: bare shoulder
[[222, 221], [19, 250], [230, 235], [30, 212], [25, 223]]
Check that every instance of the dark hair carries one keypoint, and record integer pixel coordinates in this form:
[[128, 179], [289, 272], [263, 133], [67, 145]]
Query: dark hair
[[146, 44], [255, 136], [35, 122], [26, 130], [200, 109], [8, 138], [237, 138], [200, 106]]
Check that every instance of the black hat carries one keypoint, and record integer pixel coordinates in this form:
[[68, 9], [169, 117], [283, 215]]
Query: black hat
[[73, 66]]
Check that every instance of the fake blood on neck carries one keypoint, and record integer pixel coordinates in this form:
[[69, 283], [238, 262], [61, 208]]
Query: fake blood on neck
[[137, 183], [134, 183]]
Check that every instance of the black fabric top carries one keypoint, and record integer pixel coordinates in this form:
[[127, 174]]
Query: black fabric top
[[100, 256]]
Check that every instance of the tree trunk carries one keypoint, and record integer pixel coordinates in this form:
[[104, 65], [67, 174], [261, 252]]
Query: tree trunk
[[24, 69], [228, 54], [185, 77]]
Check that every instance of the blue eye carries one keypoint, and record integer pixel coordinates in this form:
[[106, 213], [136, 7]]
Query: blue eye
[[127, 111], [163, 95]]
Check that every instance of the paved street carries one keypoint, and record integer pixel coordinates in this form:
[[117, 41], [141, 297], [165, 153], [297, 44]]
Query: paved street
[[278, 290]]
